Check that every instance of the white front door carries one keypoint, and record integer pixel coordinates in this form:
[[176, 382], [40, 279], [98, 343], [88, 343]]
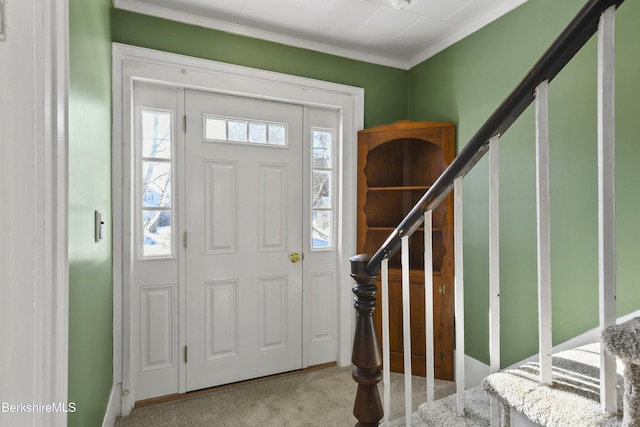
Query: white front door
[[234, 238], [244, 224]]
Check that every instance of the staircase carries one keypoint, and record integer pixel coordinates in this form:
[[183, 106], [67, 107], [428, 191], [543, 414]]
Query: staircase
[[573, 397], [577, 387]]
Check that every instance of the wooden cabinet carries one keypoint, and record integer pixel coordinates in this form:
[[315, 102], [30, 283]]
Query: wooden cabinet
[[397, 163]]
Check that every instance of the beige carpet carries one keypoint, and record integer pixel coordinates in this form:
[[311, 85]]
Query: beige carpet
[[322, 397]]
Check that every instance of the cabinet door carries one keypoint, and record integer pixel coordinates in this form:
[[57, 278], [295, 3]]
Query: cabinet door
[[443, 324]]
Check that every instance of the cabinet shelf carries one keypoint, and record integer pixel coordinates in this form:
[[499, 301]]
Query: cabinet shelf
[[385, 208]]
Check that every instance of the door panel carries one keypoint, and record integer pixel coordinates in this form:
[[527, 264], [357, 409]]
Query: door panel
[[272, 310], [243, 218], [272, 208], [221, 207], [221, 319], [156, 313]]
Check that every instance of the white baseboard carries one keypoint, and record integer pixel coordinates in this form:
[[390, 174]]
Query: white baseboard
[[113, 407], [588, 337], [475, 370], [520, 420]]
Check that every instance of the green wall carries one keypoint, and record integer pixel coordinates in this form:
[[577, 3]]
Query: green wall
[[386, 96], [90, 277], [465, 84]]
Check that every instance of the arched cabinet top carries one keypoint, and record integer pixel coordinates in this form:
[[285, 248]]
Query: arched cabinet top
[[438, 133]]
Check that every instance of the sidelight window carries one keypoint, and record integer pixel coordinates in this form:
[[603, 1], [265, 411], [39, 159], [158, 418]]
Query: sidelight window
[[156, 168], [322, 199]]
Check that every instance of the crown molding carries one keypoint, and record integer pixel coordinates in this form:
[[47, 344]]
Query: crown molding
[[186, 18], [465, 31]]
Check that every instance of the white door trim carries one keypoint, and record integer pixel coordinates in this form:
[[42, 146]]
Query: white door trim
[[133, 63], [33, 236]]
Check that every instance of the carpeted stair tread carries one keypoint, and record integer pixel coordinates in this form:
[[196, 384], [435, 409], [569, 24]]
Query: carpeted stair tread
[[442, 412], [573, 399]]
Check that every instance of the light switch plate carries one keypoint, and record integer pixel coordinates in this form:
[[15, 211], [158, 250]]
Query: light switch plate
[[99, 225]]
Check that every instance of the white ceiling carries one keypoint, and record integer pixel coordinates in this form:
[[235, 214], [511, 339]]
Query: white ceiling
[[368, 30]]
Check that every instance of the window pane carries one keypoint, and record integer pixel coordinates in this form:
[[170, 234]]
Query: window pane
[[156, 184], [237, 131], [258, 133], [156, 134], [277, 135], [215, 128], [321, 237], [156, 226], [322, 149], [321, 194]]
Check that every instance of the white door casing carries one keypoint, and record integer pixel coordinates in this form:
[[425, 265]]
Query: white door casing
[[34, 74], [137, 64]]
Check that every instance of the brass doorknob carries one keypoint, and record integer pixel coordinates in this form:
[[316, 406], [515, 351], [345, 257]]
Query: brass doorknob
[[294, 257]]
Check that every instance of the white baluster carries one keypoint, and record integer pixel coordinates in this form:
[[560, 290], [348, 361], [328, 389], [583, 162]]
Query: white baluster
[[406, 330], [386, 358], [494, 269], [544, 232], [607, 200], [428, 302], [459, 292]]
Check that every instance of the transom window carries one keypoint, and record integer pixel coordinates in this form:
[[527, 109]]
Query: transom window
[[247, 131]]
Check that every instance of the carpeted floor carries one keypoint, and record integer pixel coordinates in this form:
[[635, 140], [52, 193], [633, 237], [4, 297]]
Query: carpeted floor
[[322, 397]]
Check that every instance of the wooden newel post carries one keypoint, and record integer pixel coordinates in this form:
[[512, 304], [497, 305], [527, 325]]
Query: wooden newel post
[[366, 350]]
